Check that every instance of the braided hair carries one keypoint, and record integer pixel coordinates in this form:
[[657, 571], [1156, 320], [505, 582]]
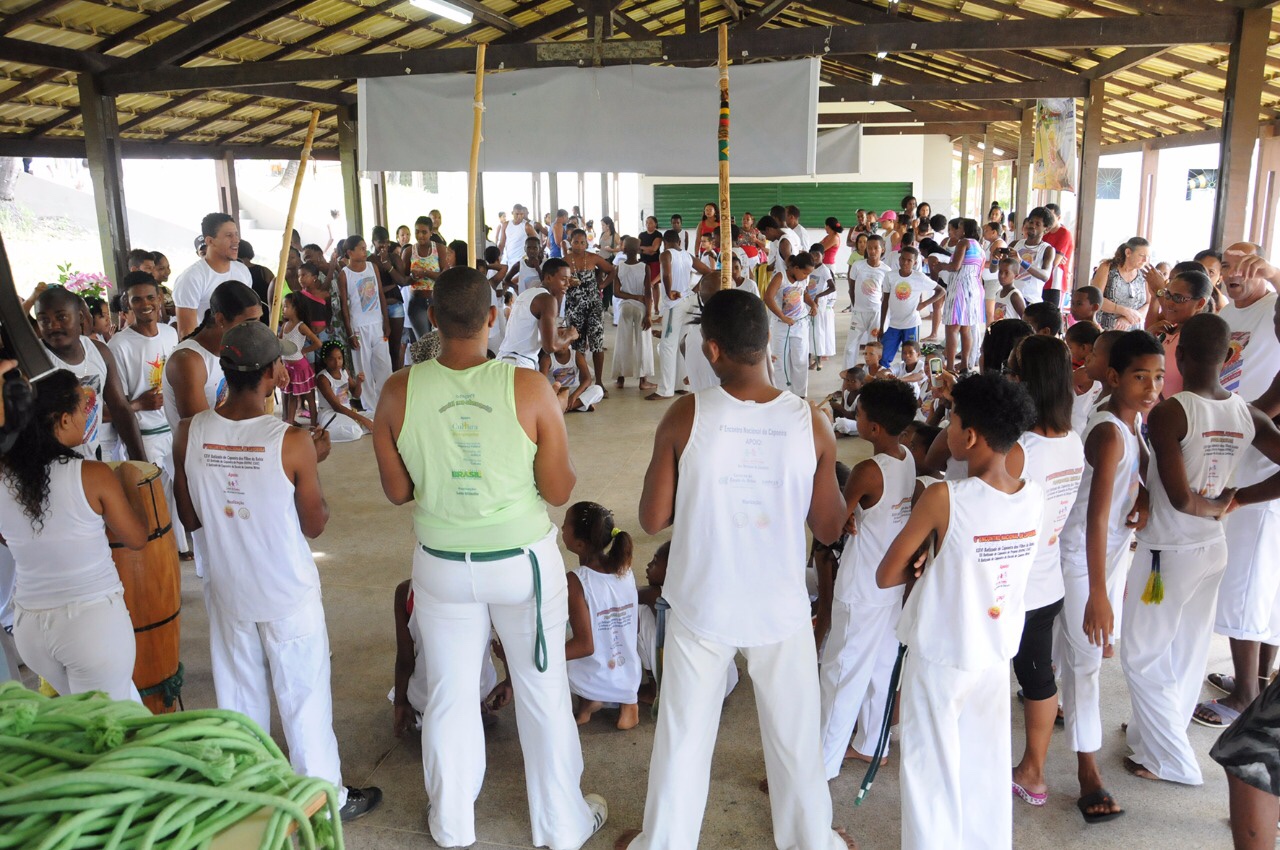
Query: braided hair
[[593, 524]]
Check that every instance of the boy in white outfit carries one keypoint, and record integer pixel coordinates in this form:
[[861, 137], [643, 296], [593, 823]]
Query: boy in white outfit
[[962, 624], [793, 308], [736, 581], [866, 289], [860, 650]]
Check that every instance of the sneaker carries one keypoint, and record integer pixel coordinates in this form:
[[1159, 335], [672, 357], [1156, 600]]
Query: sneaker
[[599, 812], [360, 801]]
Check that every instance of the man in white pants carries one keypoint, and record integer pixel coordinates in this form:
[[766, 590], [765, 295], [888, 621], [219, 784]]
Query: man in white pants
[[673, 284], [534, 325], [1249, 596], [252, 483], [478, 445], [735, 582]]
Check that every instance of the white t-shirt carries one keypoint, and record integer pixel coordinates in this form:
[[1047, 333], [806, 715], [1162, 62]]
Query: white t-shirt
[[1057, 465], [739, 549], [1032, 288], [905, 295], [192, 288], [140, 360], [868, 285], [968, 607], [1082, 410], [92, 374], [362, 297], [1252, 363]]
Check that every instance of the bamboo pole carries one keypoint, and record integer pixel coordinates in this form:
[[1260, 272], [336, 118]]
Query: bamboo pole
[[277, 298], [726, 228], [473, 176]]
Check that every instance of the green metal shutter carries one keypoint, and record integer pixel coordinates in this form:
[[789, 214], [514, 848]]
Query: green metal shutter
[[816, 201]]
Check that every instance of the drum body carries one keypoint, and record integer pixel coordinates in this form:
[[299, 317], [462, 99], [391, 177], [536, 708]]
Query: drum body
[[152, 587]]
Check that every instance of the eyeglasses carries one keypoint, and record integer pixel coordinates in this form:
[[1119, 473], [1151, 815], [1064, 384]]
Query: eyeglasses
[[1175, 297]]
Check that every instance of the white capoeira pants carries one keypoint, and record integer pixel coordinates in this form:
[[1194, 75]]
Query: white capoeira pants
[[1080, 664], [373, 357], [290, 658], [1249, 598], [633, 345], [857, 664], [786, 686], [790, 347], [647, 646], [956, 751], [455, 602], [1163, 655], [590, 397], [83, 646], [670, 363], [861, 323]]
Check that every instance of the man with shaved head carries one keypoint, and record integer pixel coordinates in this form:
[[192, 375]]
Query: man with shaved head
[[1249, 598]]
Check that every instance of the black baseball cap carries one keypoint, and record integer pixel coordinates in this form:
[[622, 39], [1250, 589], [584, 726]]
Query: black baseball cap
[[252, 347]]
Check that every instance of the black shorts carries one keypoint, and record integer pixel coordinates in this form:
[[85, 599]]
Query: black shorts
[[1033, 665], [1249, 749]]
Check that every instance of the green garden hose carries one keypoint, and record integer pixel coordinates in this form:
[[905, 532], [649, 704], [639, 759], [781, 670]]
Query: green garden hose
[[85, 771]]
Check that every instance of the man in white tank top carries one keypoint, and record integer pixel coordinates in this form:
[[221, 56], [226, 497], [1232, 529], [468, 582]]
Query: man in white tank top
[[535, 323], [59, 314], [738, 469], [251, 482], [511, 239], [673, 284], [1198, 439], [1249, 598]]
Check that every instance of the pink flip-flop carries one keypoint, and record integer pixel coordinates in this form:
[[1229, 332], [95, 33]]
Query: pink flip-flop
[[1028, 797]]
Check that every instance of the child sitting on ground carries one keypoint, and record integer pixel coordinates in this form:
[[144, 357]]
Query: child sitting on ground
[[603, 655], [910, 369], [1009, 302], [409, 694], [1045, 318], [571, 378], [843, 404], [337, 389], [858, 659], [872, 354], [1080, 338], [963, 622], [302, 378], [1085, 304]]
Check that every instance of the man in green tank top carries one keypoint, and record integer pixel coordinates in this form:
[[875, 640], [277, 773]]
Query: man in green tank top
[[480, 447]]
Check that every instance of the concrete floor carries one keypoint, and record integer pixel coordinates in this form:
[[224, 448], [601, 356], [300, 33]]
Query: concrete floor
[[365, 552]]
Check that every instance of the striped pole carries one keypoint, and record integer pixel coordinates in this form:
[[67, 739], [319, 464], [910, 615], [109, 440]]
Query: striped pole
[[726, 229]]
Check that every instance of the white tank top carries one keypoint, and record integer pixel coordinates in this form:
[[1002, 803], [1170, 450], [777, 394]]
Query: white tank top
[[612, 672], [738, 550], [496, 300], [967, 609], [338, 385], [215, 384], [633, 279], [776, 261], [524, 334], [1082, 407], [362, 297], [527, 276], [1124, 492], [1252, 362], [1056, 464], [697, 367], [1218, 432], [1004, 305], [877, 526], [513, 248], [92, 374], [67, 559], [257, 561], [1030, 287], [565, 372], [296, 337], [681, 272]]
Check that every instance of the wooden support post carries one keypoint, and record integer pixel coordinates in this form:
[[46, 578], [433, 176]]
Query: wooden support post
[[1242, 101], [988, 177], [380, 216], [285, 240], [102, 149], [1026, 152], [1147, 190], [692, 17], [582, 195], [475, 232], [722, 145], [964, 176], [1087, 191], [348, 156], [228, 195], [1265, 191]]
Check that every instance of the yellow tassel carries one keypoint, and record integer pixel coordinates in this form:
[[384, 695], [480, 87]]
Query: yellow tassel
[[1154, 592]]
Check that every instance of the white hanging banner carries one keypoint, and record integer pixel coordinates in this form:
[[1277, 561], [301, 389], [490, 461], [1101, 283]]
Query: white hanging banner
[[840, 150], [641, 118]]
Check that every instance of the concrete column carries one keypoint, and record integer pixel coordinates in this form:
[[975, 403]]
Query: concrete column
[[1147, 190], [964, 176], [605, 206], [102, 149], [1087, 193], [1026, 152], [1265, 190], [477, 250], [380, 199], [1242, 101], [553, 200], [228, 194], [348, 155], [582, 193], [988, 177]]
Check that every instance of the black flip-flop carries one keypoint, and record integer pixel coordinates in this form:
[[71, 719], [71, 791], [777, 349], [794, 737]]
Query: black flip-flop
[[1102, 795]]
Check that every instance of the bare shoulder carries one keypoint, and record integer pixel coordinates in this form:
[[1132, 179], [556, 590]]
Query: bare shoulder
[[397, 385], [531, 385]]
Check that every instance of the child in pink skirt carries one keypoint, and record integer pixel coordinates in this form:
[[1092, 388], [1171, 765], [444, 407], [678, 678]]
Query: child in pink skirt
[[302, 378]]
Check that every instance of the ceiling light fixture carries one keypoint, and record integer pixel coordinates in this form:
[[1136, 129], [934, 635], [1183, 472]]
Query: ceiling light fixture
[[881, 54], [875, 79], [442, 9]]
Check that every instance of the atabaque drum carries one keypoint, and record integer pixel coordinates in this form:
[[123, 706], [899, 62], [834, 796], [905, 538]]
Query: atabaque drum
[[152, 587]]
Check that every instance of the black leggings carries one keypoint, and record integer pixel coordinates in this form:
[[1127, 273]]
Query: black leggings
[[416, 310], [1033, 665]]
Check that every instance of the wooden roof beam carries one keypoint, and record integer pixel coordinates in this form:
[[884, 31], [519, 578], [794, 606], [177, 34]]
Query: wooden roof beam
[[1122, 61], [952, 91], [761, 16], [30, 14], [75, 149], [49, 56], [923, 115]]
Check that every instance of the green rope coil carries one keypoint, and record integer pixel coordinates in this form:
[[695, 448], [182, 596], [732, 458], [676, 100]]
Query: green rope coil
[[170, 688], [83, 771]]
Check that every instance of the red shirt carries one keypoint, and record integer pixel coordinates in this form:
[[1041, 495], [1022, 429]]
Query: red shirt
[[1065, 244]]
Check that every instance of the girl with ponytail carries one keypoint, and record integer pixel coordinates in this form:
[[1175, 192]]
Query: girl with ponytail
[[604, 664], [71, 625]]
